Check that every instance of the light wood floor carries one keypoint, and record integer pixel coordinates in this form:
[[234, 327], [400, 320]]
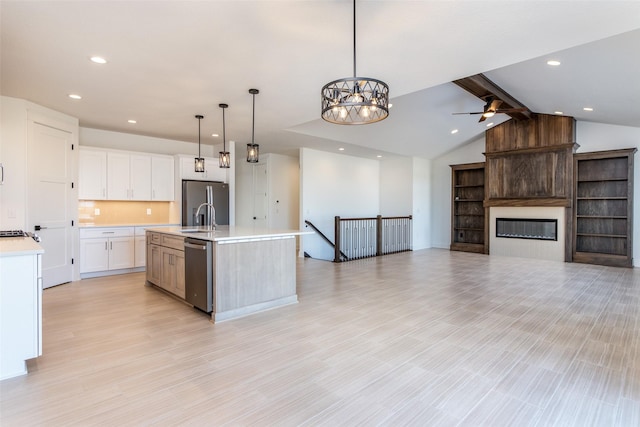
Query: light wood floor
[[428, 338]]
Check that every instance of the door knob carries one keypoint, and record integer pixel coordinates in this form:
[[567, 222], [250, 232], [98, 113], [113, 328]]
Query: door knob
[[38, 228]]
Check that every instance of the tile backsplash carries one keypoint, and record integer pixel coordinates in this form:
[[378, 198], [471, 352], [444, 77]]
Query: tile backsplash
[[103, 212]]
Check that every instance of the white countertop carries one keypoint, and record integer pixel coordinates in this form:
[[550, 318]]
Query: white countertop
[[229, 232], [12, 246], [92, 225]]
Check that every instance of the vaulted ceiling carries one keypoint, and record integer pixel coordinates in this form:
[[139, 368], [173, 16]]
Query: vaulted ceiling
[[170, 60]]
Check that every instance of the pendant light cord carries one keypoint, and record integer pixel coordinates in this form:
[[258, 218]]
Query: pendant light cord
[[253, 121], [199, 156], [224, 135], [354, 38]]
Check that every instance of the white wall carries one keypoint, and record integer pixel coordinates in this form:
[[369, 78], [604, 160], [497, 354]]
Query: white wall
[[146, 144], [284, 191], [244, 192], [421, 203], [598, 137], [441, 189], [405, 190], [13, 156], [335, 185], [396, 186]]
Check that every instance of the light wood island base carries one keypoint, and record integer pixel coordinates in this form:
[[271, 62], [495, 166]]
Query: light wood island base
[[253, 270], [253, 275]]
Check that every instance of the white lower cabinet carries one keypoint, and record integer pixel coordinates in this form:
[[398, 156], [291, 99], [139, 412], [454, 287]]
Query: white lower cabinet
[[140, 251], [104, 249]]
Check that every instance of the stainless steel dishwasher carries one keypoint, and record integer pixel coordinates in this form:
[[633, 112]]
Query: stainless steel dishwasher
[[198, 266]]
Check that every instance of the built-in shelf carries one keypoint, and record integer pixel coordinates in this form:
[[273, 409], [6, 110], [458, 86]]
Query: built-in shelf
[[603, 207], [602, 198], [600, 216], [468, 219], [623, 236]]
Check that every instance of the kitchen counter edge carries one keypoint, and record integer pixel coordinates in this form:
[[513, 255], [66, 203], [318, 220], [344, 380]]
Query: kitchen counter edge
[[229, 233]]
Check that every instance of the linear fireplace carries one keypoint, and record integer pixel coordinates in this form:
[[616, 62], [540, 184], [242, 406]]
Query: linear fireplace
[[536, 218], [527, 228]]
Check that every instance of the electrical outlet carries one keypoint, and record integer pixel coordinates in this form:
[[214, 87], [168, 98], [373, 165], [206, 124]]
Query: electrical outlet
[[148, 211], [96, 211]]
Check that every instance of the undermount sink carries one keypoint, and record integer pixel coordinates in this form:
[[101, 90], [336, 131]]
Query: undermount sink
[[197, 230]]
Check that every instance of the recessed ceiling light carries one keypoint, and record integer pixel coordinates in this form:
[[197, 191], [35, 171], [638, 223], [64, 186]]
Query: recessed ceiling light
[[215, 135], [133, 122], [489, 124], [379, 156], [588, 109], [98, 60], [454, 131], [340, 149], [553, 62], [558, 112], [74, 96]]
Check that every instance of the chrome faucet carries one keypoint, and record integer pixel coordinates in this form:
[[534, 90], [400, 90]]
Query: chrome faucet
[[212, 216]]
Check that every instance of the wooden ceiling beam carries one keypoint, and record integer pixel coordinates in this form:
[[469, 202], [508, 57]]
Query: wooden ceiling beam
[[479, 85]]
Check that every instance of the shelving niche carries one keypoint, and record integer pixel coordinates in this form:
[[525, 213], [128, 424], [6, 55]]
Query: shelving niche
[[468, 215], [603, 207]]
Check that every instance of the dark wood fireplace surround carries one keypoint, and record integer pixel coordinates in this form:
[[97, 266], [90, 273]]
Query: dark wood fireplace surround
[[531, 163]]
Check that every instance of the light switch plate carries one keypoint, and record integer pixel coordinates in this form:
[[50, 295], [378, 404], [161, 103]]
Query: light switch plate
[[148, 211], [96, 211]]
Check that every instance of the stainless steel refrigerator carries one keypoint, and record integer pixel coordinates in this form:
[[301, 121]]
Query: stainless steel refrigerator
[[194, 193]]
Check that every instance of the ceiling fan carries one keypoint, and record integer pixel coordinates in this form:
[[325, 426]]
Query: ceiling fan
[[492, 107]]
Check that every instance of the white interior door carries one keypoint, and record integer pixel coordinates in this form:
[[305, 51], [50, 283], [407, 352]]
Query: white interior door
[[49, 189], [260, 186]]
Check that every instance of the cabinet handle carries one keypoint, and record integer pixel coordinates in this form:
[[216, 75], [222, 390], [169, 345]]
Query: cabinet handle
[[105, 246], [111, 245]]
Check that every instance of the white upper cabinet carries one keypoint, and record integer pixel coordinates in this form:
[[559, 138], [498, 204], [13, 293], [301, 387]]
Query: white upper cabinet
[[128, 176], [162, 182], [212, 170], [92, 174], [122, 175], [140, 176]]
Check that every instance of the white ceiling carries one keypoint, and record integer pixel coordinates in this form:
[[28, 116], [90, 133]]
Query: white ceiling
[[170, 60]]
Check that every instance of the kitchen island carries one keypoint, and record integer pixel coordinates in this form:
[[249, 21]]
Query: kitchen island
[[250, 269]]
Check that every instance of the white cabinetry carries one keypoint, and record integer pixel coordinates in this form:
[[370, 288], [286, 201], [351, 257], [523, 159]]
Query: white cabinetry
[[128, 176], [212, 170], [162, 178], [140, 252], [124, 175], [104, 249], [92, 174], [20, 310]]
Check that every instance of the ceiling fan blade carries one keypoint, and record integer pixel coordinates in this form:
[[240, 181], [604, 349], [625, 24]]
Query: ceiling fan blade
[[495, 104], [482, 119], [475, 112]]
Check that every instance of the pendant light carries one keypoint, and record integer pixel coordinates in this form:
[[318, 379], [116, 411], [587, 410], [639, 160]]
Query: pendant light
[[199, 161], [355, 100], [253, 149], [224, 157]]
